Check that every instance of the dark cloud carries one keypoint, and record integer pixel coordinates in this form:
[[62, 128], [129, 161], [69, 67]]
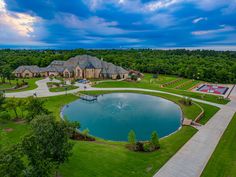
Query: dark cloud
[[119, 23]]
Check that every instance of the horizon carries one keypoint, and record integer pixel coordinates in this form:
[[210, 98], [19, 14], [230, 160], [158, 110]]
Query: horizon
[[118, 24]]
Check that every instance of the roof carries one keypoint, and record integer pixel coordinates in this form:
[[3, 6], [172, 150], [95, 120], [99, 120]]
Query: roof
[[57, 63], [84, 61], [31, 68]]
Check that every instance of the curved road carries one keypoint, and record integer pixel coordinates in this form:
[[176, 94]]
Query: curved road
[[43, 91], [192, 158]]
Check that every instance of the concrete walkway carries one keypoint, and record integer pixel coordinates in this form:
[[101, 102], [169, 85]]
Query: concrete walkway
[[192, 158], [43, 91]]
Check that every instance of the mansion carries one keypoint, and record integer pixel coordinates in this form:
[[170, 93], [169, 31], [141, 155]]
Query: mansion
[[81, 66]]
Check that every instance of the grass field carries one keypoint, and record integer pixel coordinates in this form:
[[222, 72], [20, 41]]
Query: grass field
[[107, 158], [7, 85], [63, 88], [149, 83], [223, 161], [31, 84]]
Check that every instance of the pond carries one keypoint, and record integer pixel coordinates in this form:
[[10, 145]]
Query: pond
[[112, 116]]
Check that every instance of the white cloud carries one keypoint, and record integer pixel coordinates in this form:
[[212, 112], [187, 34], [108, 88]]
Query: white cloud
[[222, 29], [17, 27], [94, 4], [197, 20], [157, 4], [209, 5], [162, 20]]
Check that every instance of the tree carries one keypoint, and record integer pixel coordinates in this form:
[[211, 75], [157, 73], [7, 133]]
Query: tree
[[22, 105], [2, 100], [11, 163], [35, 106], [12, 104], [47, 145], [132, 137], [155, 140]]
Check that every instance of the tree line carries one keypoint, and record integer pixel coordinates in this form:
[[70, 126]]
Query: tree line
[[207, 65]]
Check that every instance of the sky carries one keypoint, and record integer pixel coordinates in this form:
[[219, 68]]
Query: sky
[[122, 24]]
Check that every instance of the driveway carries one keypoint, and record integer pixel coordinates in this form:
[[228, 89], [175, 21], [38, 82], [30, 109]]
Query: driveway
[[43, 91]]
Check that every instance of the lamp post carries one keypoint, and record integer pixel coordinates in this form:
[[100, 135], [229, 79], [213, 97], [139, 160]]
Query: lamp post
[[66, 90]]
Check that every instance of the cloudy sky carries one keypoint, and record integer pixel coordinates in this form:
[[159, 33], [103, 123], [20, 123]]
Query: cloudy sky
[[118, 24]]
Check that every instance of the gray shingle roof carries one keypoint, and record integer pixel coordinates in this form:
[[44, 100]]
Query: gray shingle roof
[[31, 68]]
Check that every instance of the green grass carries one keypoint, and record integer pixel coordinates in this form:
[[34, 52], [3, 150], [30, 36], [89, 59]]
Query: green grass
[[113, 159], [31, 84], [54, 104], [148, 83], [209, 112], [7, 85], [13, 137], [106, 158], [63, 88], [177, 83], [190, 85], [223, 161]]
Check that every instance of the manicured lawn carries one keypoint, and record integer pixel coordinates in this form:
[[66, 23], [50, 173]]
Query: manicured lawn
[[14, 136], [6, 85], [190, 85], [209, 112], [148, 83], [31, 84], [113, 159], [63, 88], [55, 104], [106, 158], [223, 161], [177, 83]]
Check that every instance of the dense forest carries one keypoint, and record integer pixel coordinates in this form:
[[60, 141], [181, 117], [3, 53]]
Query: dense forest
[[207, 65]]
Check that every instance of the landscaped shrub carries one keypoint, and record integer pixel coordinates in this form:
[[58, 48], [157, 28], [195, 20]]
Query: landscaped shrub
[[139, 146], [143, 146], [148, 147], [73, 82], [155, 140], [82, 137], [186, 101], [85, 132], [132, 137]]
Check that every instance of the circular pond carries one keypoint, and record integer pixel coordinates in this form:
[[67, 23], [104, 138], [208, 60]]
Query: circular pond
[[112, 116]]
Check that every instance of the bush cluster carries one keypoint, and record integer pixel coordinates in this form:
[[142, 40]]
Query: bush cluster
[[143, 146], [186, 101]]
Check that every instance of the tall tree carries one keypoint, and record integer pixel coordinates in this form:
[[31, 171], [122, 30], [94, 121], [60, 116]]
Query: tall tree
[[11, 163], [35, 106], [12, 104], [47, 145]]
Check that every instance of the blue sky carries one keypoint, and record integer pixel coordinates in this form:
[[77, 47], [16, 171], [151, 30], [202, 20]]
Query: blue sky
[[66, 24]]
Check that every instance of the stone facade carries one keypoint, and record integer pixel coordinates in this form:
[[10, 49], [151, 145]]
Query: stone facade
[[82, 66]]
